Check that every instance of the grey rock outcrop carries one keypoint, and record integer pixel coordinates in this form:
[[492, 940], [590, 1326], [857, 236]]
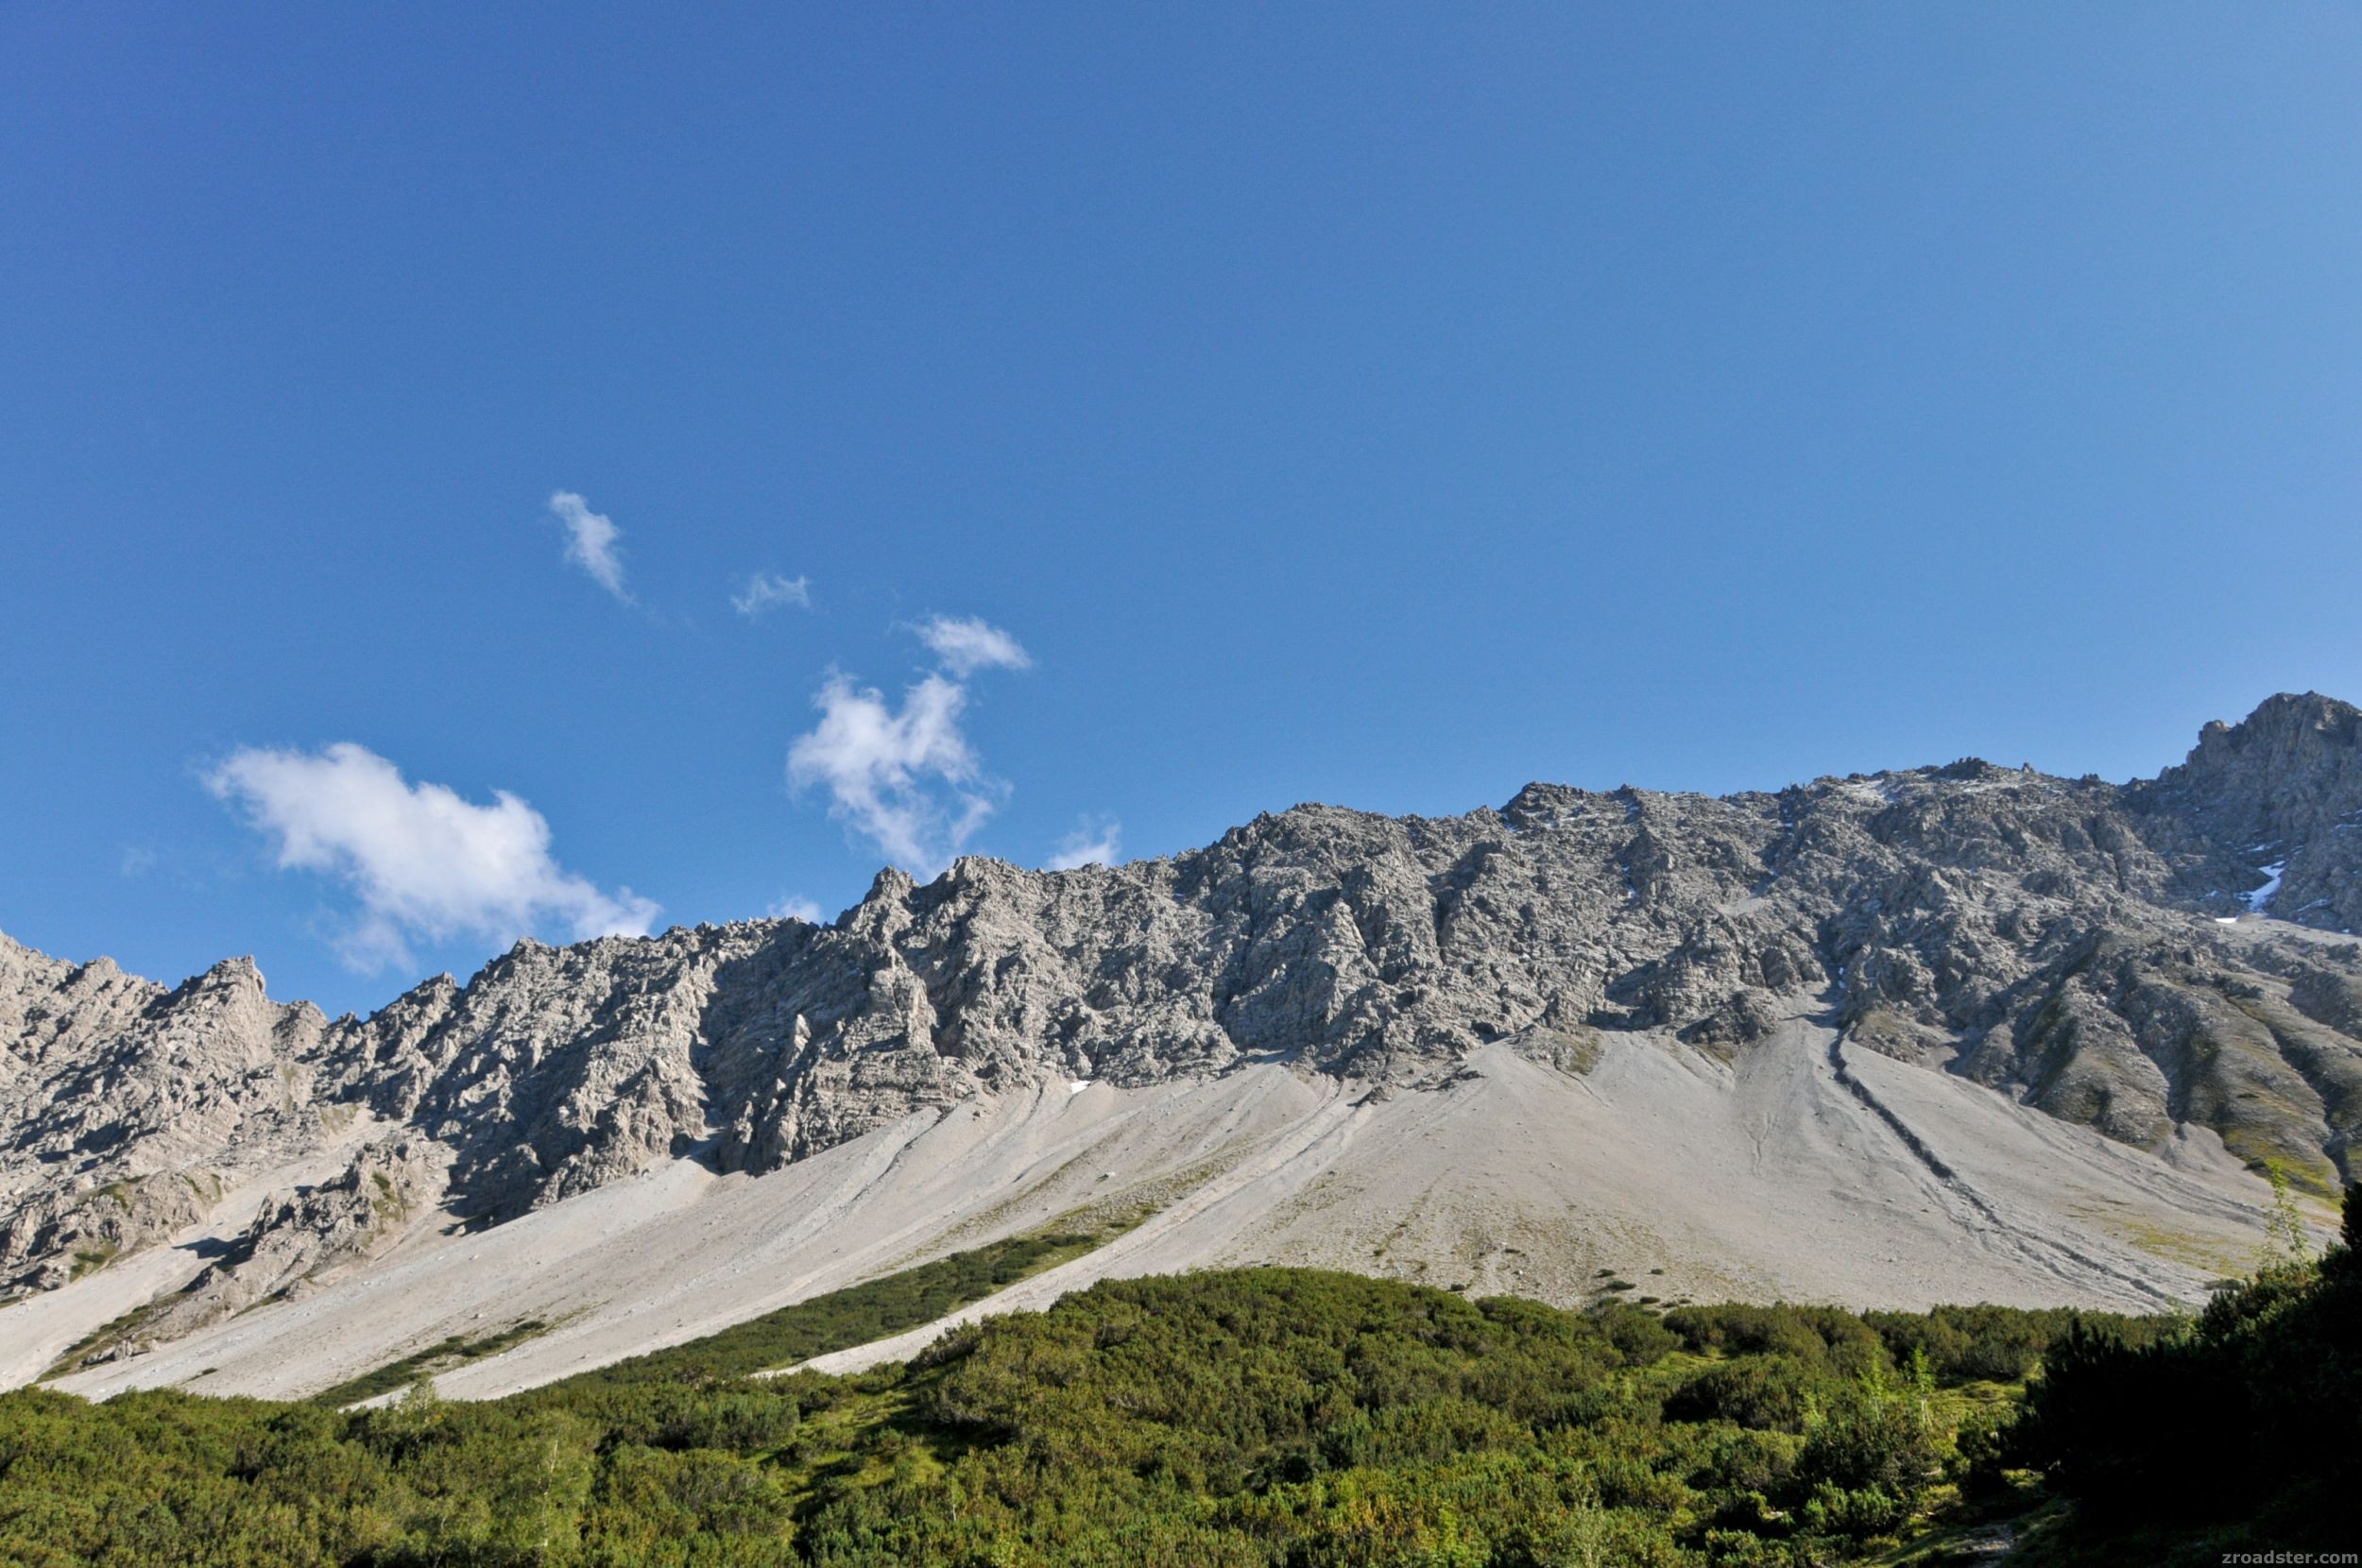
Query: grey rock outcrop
[[2059, 939]]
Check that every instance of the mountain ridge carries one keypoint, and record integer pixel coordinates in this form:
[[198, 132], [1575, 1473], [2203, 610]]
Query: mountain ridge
[[2086, 949]]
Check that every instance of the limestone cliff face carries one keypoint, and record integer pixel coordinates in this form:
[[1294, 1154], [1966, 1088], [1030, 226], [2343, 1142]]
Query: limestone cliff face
[[2062, 941]]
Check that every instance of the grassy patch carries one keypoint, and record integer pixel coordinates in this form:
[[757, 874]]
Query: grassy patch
[[853, 1316], [2176, 1245], [455, 1351], [104, 1337]]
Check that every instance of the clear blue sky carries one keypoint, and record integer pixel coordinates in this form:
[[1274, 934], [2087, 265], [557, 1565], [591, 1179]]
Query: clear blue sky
[[1370, 405]]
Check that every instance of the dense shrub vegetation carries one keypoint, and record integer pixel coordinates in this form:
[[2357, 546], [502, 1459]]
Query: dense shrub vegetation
[[2243, 1433], [1257, 1417]]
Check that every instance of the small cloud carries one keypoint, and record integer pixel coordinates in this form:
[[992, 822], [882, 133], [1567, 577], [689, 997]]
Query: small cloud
[[967, 646], [905, 779], [138, 860], [590, 542], [795, 907], [1094, 842], [768, 590], [423, 862]]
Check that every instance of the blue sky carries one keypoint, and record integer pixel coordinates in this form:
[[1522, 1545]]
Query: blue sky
[[1370, 405]]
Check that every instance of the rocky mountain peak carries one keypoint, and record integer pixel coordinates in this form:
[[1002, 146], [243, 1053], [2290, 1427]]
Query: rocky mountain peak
[[2283, 748], [2272, 802], [1539, 804], [2060, 941], [2283, 720]]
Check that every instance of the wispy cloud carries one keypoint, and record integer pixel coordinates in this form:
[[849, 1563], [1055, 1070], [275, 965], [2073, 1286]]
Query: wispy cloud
[[795, 907], [767, 591], [423, 862], [1094, 842], [590, 542], [965, 646], [906, 778]]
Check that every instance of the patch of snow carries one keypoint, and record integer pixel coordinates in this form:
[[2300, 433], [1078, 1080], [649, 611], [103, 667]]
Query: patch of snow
[[2226, 920], [2261, 899], [1076, 1085]]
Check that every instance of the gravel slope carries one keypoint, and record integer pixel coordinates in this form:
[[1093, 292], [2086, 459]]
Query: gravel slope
[[1775, 1179]]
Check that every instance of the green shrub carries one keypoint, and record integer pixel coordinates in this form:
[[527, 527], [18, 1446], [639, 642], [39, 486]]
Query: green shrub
[[1267, 1416], [1772, 1392], [2247, 1422]]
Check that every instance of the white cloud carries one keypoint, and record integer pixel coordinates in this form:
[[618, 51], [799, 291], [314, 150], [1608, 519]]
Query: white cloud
[[768, 589], [906, 780], [590, 542], [1092, 843], [795, 907], [967, 646], [423, 860]]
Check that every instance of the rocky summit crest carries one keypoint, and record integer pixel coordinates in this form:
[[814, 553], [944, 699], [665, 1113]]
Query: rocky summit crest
[[2138, 958]]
